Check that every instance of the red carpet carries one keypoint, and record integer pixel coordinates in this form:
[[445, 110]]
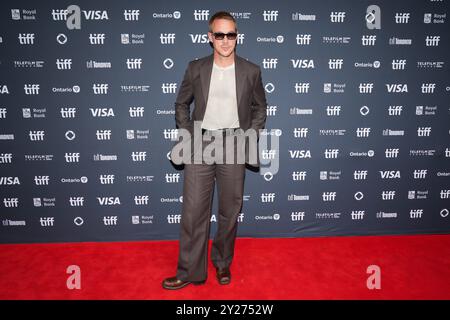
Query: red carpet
[[412, 267]]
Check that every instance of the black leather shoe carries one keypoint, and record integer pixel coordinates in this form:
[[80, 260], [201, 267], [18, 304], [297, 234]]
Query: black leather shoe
[[223, 275], [173, 283]]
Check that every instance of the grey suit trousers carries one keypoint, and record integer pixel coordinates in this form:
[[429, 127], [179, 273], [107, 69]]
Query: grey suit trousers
[[198, 188]]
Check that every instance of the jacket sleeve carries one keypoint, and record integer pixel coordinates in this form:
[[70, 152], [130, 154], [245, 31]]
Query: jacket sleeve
[[183, 102], [259, 104]]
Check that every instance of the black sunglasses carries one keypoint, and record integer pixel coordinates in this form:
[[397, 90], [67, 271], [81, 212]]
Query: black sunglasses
[[221, 35]]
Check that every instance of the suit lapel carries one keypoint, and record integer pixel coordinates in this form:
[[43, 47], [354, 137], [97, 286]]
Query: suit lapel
[[240, 78], [205, 77]]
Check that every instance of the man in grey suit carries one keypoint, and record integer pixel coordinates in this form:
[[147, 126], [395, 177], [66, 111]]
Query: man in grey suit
[[229, 99]]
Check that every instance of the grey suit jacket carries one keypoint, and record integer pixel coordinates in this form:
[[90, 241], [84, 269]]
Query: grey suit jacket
[[251, 99]]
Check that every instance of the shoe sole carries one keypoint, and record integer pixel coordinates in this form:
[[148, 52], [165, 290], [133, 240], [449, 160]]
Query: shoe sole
[[197, 283], [224, 282]]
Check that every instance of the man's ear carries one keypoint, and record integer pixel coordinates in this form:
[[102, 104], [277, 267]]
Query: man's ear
[[210, 36]]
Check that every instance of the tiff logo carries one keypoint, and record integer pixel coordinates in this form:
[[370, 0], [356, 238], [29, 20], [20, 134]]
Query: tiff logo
[[134, 63], [362, 132], [167, 38], [172, 177], [415, 213], [365, 87], [138, 156], [173, 218], [106, 178], [97, 38], [5, 157], [72, 157], [47, 221], [271, 110], [329, 196], [76, 201], [300, 132], [432, 41], [270, 15], [131, 15], [402, 17], [368, 40], [445, 194], [110, 220], [268, 154], [68, 112], [141, 200], [360, 174], [333, 110], [59, 14], [303, 39], [297, 215], [299, 175], [270, 63], [391, 153], [100, 88], [395, 110], [3, 113], [428, 87], [388, 195], [103, 134], [169, 87], [357, 215], [31, 89], [64, 64], [170, 134], [267, 197], [301, 87], [335, 64], [398, 64], [420, 174], [423, 131], [26, 38], [201, 15], [36, 135], [337, 16], [41, 180], [136, 112], [331, 153], [11, 202]]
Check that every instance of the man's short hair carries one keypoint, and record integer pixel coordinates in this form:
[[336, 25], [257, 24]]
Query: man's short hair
[[221, 15]]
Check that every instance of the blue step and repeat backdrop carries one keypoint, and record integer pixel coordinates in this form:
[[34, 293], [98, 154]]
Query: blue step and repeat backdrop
[[358, 117]]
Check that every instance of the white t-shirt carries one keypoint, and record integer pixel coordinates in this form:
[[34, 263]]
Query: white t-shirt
[[221, 109]]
